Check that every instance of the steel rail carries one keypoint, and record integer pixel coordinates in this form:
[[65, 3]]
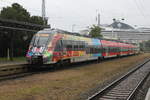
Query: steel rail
[[138, 86], [106, 89], [12, 69]]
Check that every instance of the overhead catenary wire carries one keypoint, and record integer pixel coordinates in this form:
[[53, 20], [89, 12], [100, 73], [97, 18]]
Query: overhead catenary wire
[[144, 8], [140, 11], [142, 4]]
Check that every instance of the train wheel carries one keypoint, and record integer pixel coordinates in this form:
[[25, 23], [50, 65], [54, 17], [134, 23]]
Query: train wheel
[[99, 59], [58, 64], [118, 56], [68, 62], [65, 63]]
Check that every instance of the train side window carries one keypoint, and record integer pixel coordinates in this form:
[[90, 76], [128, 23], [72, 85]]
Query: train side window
[[84, 46], [91, 49], [58, 46], [81, 47], [69, 47], [75, 47], [87, 49], [72, 43], [63, 43], [103, 49]]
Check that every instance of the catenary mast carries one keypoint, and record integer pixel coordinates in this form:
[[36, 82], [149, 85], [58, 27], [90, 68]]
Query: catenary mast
[[43, 11]]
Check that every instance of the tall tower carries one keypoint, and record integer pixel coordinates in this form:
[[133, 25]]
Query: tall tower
[[43, 10], [98, 20]]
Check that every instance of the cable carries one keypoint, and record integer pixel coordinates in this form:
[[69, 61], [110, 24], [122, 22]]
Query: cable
[[143, 7], [139, 8], [141, 12]]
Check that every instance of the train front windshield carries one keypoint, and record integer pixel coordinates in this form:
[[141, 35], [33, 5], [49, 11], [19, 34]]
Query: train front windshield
[[40, 40]]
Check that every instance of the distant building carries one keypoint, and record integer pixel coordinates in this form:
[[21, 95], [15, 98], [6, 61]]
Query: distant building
[[120, 25], [123, 32]]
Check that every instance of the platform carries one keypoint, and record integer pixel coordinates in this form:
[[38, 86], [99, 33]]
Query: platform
[[12, 63]]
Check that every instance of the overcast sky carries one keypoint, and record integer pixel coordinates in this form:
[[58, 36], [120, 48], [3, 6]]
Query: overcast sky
[[65, 13]]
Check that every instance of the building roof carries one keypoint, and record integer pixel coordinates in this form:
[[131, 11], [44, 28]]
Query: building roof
[[120, 25]]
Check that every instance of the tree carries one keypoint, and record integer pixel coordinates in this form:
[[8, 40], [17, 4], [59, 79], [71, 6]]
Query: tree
[[37, 20], [18, 13], [14, 38], [145, 46], [95, 32], [15, 12]]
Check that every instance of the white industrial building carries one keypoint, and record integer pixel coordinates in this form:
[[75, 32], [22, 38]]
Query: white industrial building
[[123, 32]]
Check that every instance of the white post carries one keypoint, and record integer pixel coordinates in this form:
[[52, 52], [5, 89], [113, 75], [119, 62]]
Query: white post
[[73, 26], [148, 95], [8, 56]]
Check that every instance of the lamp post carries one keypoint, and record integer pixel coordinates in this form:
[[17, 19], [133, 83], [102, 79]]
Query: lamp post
[[73, 26], [119, 26]]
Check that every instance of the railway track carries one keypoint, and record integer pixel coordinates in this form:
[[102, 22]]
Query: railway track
[[10, 71], [125, 88]]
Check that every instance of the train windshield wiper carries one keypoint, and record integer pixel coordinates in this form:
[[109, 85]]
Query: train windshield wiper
[[37, 44]]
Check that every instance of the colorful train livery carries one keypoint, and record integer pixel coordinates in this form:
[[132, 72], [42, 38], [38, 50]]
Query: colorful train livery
[[51, 46]]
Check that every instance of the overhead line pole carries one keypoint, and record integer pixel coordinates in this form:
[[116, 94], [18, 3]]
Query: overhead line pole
[[98, 19], [43, 9], [44, 12]]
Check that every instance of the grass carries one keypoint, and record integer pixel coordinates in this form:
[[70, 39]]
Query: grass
[[66, 84], [4, 59]]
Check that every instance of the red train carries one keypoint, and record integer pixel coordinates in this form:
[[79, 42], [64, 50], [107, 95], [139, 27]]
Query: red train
[[113, 48], [57, 46]]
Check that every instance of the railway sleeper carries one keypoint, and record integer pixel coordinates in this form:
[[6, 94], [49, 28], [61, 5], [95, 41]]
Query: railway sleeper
[[119, 93], [114, 97]]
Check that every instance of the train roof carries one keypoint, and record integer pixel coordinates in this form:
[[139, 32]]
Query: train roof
[[48, 30]]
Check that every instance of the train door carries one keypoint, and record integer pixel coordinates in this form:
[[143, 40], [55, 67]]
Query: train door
[[107, 51], [63, 48]]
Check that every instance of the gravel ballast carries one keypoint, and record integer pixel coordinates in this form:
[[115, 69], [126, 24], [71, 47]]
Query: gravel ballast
[[67, 84]]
